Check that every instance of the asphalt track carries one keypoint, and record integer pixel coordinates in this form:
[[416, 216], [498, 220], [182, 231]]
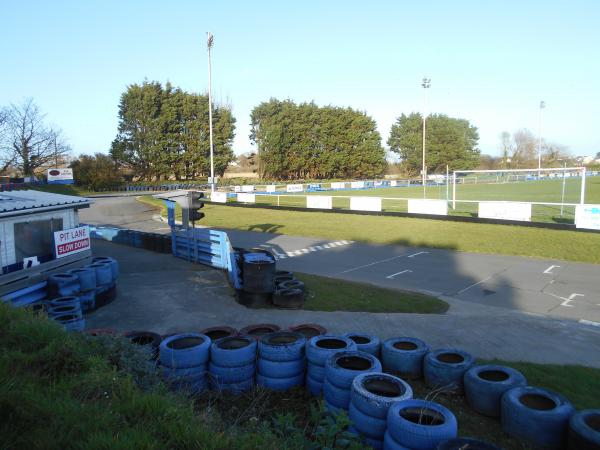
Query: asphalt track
[[538, 286]]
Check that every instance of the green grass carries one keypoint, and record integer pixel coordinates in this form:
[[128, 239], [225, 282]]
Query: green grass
[[328, 294], [65, 189], [467, 237]]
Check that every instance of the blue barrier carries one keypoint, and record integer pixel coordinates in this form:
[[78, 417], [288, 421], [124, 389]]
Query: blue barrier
[[27, 296]]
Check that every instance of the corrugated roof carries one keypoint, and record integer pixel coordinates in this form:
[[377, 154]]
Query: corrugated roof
[[14, 201]]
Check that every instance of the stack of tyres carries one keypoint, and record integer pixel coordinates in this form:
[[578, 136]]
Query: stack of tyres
[[233, 364], [62, 285], [258, 275], [146, 339], [67, 312], [371, 396], [403, 356], [365, 343], [183, 358], [281, 362], [107, 272], [309, 330], [340, 371], [87, 287], [444, 369], [318, 349]]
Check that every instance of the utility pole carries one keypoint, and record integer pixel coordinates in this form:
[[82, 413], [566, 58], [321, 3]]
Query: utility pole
[[426, 83], [210, 121], [542, 106]]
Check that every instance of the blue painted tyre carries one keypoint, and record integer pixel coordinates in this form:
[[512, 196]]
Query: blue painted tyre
[[280, 384], [194, 385], [369, 426], [374, 393], [403, 356], [233, 351], [64, 301], [62, 285], [56, 311], [234, 388], [71, 322], [389, 443], [88, 300], [314, 387], [282, 346], [365, 343], [114, 265], [374, 443], [420, 424], [466, 444], [103, 273], [537, 416], [284, 369], [315, 371], [445, 368], [485, 385], [332, 408], [86, 278], [341, 368], [319, 348], [171, 374], [147, 339], [184, 350], [584, 430], [231, 374], [338, 397]]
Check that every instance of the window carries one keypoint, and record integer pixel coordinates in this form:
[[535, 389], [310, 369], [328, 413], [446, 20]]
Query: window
[[35, 238]]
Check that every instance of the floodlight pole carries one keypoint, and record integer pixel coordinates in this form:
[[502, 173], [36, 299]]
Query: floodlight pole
[[542, 106], [210, 121], [426, 83], [562, 198]]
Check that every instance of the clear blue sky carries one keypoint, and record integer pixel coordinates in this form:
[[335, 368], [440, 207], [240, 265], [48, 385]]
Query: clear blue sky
[[490, 62]]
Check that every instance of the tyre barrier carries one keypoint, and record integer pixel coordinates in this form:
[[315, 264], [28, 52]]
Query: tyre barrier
[[292, 284], [182, 351], [149, 340], [584, 430], [466, 444], [445, 368], [419, 424], [105, 294], [71, 322], [104, 273], [340, 370], [281, 364], [86, 277], [371, 396], [64, 301], [56, 311], [62, 285], [193, 379], [282, 276], [258, 273], [233, 364], [88, 300], [257, 331], [219, 332], [485, 385], [537, 416], [365, 343], [403, 356], [254, 300], [309, 330], [114, 265], [318, 349], [288, 298]]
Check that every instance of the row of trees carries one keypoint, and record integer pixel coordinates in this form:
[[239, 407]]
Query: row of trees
[[297, 141], [520, 150]]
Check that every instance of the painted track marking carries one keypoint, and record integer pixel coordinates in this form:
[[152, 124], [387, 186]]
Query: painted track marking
[[418, 253], [391, 277], [373, 264], [589, 322], [473, 285], [549, 269], [311, 249]]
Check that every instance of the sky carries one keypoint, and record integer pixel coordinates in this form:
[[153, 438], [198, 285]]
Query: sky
[[490, 62]]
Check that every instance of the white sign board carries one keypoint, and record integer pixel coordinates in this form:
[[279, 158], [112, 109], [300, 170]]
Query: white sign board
[[357, 184], [421, 206], [69, 242], [271, 188], [246, 198], [219, 197], [60, 176], [378, 183], [505, 211], [248, 188], [587, 216], [237, 189], [393, 183], [212, 180], [319, 201], [294, 188], [338, 185], [365, 203]]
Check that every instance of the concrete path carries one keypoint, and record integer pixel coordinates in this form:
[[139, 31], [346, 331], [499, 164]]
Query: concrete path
[[160, 293]]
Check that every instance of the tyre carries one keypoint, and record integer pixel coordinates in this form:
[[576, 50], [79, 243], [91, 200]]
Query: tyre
[[374, 393], [87, 300], [54, 311], [466, 444], [403, 356], [259, 330], [584, 430], [184, 350], [315, 371], [282, 346], [341, 368], [105, 295], [319, 348], [292, 284], [170, 374], [338, 397], [288, 298], [114, 265], [537, 416], [332, 408], [369, 426], [485, 385], [63, 285], [103, 273], [280, 369], [315, 387], [309, 330], [192, 385], [231, 374], [284, 273], [374, 443], [444, 369], [64, 301], [389, 443], [219, 332], [234, 388], [145, 338], [280, 384], [365, 343], [281, 279], [420, 424], [233, 351], [254, 300], [86, 278], [71, 322]]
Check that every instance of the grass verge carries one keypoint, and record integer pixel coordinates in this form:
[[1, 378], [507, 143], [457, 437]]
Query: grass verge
[[328, 294], [466, 237]]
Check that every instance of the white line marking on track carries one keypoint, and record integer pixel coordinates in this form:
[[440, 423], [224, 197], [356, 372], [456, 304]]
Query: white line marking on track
[[304, 251], [372, 264], [391, 277], [589, 322], [549, 269], [418, 253], [473, 285], [568, 300]]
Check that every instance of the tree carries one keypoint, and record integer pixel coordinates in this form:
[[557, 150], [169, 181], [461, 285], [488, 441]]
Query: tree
[[28, 143], [506, 148], [524, 149], [448, 141], [520, 151], [96, 172]]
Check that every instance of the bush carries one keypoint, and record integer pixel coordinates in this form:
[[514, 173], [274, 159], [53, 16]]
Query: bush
[[96, 172]]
